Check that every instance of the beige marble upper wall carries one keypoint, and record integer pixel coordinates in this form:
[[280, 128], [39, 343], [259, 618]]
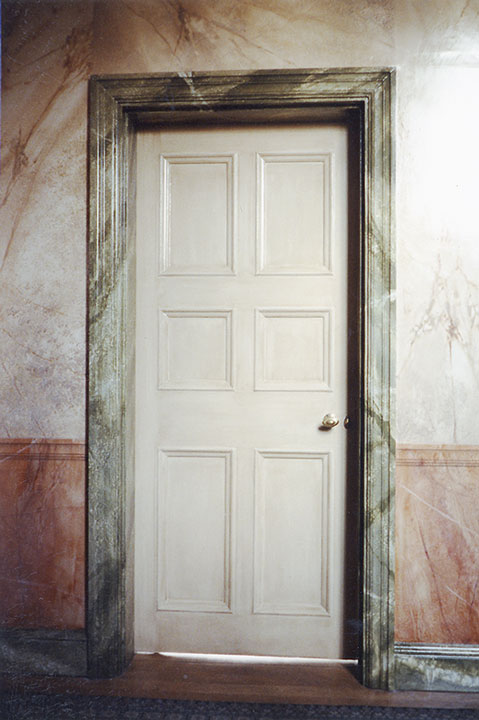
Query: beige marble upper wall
[[152, 35], [46, 63], [49, 52]]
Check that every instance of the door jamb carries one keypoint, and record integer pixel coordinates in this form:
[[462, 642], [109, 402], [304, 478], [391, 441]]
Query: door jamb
[[117, 105]]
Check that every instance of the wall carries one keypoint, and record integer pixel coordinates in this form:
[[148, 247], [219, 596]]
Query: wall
[[50, 48], [42, 526]]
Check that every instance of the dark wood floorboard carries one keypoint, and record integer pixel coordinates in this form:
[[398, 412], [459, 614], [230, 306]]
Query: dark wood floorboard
[[155, 676]]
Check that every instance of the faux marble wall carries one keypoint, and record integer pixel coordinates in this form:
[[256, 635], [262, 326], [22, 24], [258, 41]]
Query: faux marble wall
[[42, 526], [50, 48], [437, 557], [46, 62]]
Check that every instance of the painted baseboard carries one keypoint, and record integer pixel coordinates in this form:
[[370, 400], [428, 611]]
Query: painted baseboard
[[43, 652], [436, 667]]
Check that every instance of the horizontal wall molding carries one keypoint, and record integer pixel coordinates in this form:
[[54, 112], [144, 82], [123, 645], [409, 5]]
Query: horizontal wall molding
[[438, 455], [41, 449], [437, 650], [43, 652]]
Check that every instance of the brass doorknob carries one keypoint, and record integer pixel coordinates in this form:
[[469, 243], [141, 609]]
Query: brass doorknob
[[329, 421]]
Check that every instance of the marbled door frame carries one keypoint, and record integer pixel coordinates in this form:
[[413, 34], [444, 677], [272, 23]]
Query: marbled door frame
[[117, 103]]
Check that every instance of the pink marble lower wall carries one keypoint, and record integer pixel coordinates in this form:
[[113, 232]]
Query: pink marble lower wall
[[437, 547], [42, 530], [42, 551]]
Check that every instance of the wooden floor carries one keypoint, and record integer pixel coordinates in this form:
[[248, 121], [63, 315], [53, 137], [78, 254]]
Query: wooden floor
[[156, 676]]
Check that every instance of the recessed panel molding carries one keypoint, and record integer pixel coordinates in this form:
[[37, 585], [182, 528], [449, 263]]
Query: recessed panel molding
[[293, 213], [195, 350], [293, 349], [292, 507], [198, 214], [194, 530]]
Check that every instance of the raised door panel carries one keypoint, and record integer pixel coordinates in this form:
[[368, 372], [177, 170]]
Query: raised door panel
[[291, 533], [194, 530], [293, 214], [293, 349], [195, 350], [198, 214]]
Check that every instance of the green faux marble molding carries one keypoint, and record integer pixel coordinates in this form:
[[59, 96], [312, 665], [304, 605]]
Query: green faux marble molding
[[43, 651], [438, 670], [117, 103], [110, 330]]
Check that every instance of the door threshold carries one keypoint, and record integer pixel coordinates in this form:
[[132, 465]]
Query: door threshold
[[253, 659]]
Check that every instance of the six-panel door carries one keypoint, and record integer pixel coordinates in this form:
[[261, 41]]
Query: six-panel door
[[241, 351]]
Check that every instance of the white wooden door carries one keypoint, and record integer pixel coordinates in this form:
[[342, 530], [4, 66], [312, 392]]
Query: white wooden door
[[241, 351]]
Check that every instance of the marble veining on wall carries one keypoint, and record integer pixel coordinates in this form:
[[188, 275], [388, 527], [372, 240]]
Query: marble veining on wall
[[437, 549], [46, 62], [200, 35], [438, 292], [49, 50], [42, 526], [446, 329]]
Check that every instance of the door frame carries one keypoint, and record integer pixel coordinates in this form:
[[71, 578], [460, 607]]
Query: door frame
[[117, 106]]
